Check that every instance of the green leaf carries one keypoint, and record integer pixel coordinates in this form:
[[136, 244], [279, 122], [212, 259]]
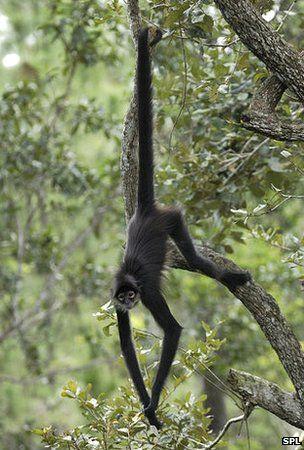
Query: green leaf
[[207, 23]]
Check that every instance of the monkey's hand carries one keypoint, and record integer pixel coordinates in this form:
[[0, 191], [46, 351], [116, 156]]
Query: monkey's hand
[[234, 279], [149, 412]]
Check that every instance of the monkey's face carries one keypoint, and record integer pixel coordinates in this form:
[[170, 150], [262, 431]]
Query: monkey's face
[[127, 299]]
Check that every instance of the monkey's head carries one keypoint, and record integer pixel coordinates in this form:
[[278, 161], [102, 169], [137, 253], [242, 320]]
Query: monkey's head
[[126, 292]]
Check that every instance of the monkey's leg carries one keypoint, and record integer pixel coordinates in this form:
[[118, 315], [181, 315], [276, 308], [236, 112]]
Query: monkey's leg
[[129, 354], [158, 307], [178, 231]]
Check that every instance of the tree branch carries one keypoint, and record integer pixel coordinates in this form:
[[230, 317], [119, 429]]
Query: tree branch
[[267, 314], [272, 126], [262, 118], [129, 141], [264, 42], [280, 57], [268, 396]]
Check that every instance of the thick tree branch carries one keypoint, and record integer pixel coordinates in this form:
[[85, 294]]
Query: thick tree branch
[[268, 396], [259, 37], [272, 126], [280, 57], [128, 161], [262, 117], [266, 312], [261, 305], [129, 142], [268, 95]]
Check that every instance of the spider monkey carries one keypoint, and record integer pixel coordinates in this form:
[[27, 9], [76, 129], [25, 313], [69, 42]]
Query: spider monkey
[[140, 273]]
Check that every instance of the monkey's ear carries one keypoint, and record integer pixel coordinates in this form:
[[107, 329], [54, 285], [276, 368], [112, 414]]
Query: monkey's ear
[[155, 35]]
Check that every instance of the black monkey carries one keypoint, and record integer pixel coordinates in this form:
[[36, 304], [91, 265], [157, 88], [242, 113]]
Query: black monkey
[[140, 273]]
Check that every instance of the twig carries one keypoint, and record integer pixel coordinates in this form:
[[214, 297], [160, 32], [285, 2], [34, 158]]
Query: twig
[[255, 150], [225, 429], [184, 97], [286, 14]]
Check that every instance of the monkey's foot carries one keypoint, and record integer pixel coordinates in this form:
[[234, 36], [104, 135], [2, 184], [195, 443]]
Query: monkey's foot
[[234, 279], [151, 416]]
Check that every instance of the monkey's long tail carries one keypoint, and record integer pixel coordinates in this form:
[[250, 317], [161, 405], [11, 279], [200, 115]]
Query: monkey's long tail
[[145, 195]]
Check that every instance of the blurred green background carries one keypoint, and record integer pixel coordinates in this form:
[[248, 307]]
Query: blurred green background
[[66, 70]]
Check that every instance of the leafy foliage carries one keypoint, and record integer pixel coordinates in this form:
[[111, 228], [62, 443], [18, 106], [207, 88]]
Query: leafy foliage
[[119, 422]]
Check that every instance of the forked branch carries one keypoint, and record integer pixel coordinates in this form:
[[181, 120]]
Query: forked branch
[[281, 58]]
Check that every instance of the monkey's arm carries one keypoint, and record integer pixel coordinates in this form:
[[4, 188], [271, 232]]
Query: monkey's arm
[[129, 354], [158, 307]]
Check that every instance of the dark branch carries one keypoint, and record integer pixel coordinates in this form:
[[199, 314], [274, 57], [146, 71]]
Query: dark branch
[[272, 126], [262, 117], [280, 57], [259, 37], [268, 95], [129, 141]]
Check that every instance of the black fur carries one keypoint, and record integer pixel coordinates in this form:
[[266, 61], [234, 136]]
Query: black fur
[[145, 195], [144, 259]]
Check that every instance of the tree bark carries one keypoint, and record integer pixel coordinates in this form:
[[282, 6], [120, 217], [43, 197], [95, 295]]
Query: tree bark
[[264, 42], [262, 117], [280, 57], [268, 396]]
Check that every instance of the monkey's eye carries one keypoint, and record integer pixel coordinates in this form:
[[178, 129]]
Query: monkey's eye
[[131, 294], [121, 296]]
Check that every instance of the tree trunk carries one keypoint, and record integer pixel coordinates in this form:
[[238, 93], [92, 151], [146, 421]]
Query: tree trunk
[[216, 402]]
